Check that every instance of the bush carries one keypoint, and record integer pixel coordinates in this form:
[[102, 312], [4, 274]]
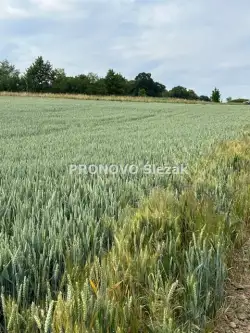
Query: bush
[[204, 98], [239, 100], [142, 92]]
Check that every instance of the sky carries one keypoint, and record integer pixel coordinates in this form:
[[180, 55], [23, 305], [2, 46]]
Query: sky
[[198, 44]]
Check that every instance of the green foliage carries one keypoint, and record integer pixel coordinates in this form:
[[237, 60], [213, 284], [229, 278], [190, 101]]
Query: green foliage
[[142, 92], [9, 77], [165, 93], [40, 76], [215, 97], [229, 99], [115, 83], [204, 98], [152, 88], [192, 95], [183, 93], [239, 100]]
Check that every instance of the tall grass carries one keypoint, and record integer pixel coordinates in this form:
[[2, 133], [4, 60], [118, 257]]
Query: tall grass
[[109, 254], [105, 98], [168, 264]]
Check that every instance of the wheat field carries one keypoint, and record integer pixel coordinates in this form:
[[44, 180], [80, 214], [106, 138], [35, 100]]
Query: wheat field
[[124, 252]]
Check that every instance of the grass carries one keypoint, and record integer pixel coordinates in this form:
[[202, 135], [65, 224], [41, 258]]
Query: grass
[[123, 253], [105, 98]]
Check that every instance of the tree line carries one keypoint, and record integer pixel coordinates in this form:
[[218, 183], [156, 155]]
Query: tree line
[[41, 77]]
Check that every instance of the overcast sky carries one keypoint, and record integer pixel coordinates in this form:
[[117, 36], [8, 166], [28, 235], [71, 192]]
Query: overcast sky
[[199, 44]]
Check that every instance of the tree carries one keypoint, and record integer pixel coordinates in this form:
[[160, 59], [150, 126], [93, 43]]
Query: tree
[[179, 92], [183, 93], [215, 97], [130, 88], [75, 84], [40, 76], [9, 77], [93, 77], [58, 85], [59, 74], [204, 98], [229, 99], [115, 83], [192, 95], [159, 89], [96, 85], [99, 87], [144, 81], [165, 93], [142, 92]]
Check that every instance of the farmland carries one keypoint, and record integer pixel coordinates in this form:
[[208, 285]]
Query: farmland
[[129, 252]]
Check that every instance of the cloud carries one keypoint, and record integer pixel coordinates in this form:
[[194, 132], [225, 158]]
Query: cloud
[[17, 9], [12, 10], [55, 5], [197, 44]]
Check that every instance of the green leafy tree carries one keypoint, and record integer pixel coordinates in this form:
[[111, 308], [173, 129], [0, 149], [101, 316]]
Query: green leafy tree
[[183, 93], [96, 85], [159, 89], [40, 76], [142, 92], [115, 83], [9, 77], [215, 97], [93, 77], [165, 93], [130, 88], [229, 99], [179, 92], [192, 95], [76, 84], [204, 98], [59, 74], [99, 87], [145, 81], [59, 82]]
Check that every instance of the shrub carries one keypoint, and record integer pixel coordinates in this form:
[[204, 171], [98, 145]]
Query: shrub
[[239, 100], [142, 92]]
